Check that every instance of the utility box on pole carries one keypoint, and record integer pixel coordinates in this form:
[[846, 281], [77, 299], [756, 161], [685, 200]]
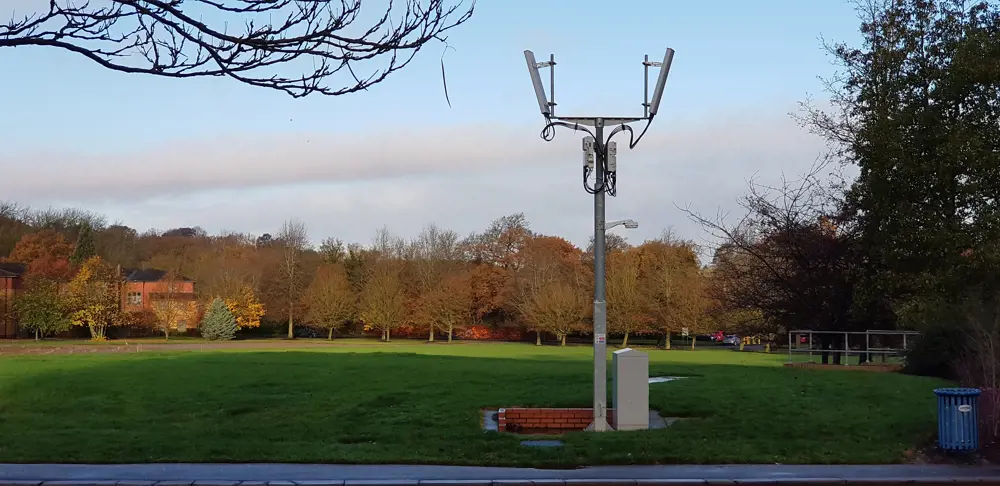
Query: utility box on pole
[[630, 393]]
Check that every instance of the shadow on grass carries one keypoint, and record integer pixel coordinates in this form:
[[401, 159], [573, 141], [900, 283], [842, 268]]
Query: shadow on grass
[[403, 408]]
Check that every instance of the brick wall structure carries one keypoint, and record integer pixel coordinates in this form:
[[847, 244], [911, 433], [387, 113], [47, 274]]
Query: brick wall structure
[[527, 420]]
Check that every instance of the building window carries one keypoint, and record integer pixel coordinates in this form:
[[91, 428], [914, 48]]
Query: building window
[[134, 298]]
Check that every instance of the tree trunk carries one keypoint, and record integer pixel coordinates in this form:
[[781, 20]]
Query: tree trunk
[[562, 340], [430, 338], [667, 342], [693, 340], [625, 340], [329, 337], [538, 338], [166, 334], [388, 335], [383, 335], [96, 333], [291, 306], [36, 335], [451, 331]]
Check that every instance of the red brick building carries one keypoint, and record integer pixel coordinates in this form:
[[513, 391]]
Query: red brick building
[[10, 282], [145, 288], [142, 289]]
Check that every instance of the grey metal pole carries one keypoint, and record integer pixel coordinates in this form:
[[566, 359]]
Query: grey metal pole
[[847, 349], [645, 86], [552, 84], [868, 347], [600, 423]]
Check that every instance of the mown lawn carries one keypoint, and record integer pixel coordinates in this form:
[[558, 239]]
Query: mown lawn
[[411, 403]]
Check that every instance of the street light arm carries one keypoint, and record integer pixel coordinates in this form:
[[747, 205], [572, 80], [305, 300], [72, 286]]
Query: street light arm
[[628, 223]]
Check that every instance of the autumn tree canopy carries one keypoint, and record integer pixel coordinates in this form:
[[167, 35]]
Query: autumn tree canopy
[[94, 298], [506, 279], [46, 253], [329, 298]]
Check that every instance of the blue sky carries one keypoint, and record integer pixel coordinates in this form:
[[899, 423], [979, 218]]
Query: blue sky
[[161, 153]]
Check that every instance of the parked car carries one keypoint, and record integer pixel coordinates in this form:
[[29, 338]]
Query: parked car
[[731, 340], [307, 332]]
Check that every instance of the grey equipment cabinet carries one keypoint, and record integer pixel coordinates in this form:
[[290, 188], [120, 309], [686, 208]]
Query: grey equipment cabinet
[[630, 392]]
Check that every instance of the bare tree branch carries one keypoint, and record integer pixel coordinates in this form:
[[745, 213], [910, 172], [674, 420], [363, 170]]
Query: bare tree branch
[[172, 38], [786, 257]]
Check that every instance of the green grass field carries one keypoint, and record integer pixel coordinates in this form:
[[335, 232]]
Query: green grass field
[[418, 403]]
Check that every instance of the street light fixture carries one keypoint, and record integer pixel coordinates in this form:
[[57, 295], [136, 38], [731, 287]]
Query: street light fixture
[[628, 223], [600, 157]]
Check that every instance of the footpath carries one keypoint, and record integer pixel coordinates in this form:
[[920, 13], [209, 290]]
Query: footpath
[[389, 475]]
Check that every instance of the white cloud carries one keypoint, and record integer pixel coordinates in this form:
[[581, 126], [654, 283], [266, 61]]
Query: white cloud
[[262, 160], [458, 177]]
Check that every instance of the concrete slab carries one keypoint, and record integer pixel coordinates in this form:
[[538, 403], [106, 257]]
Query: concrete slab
[[665, 379], [542, 443], [490, 423], [658, 422]]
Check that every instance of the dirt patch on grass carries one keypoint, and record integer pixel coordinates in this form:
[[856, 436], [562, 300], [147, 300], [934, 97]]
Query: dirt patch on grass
[[126, 347]]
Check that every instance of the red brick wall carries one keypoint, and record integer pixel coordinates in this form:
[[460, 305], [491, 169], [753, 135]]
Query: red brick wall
[[8, 289], [548, 418], [9, 283], [147, 288]]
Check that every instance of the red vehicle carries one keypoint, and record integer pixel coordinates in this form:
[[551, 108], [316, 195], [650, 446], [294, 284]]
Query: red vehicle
[[718, 336]]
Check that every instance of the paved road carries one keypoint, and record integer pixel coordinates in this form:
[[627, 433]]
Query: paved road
[[87, 474]]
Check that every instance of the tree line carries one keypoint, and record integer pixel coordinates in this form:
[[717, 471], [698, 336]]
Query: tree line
[[505, 281]]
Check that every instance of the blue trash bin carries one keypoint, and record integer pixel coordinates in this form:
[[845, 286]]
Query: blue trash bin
[[958, 418]]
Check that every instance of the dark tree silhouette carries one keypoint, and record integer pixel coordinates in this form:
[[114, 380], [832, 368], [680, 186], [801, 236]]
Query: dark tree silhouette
[[322, 40]]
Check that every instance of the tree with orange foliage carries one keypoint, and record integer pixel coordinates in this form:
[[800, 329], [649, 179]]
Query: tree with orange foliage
[[674, 287], [383, 303], [490, 286], [627, 303], [433, 255], [45, 252], [94, 297], [329, 298], [551, 266], [449, 305], [559, 307], [246, 307], [502, 243]]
